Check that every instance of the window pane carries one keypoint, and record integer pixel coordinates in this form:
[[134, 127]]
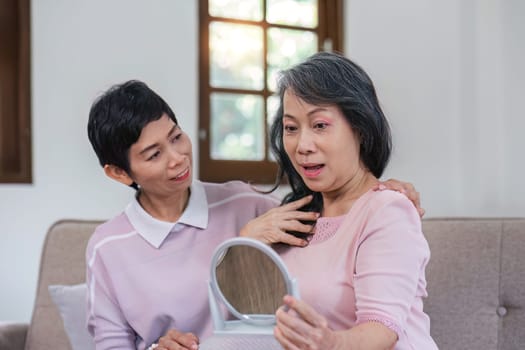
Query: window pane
[[237, 129], [287, 47], [236, 59], [251, 10], [301, 13]]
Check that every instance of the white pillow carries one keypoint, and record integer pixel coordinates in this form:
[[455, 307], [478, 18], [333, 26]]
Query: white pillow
[[71, 302]]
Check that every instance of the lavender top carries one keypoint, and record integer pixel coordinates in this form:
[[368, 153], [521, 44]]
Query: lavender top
[[146, 276]]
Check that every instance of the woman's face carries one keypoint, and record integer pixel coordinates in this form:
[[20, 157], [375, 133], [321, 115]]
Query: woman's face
[[320, 143], [161, 159]]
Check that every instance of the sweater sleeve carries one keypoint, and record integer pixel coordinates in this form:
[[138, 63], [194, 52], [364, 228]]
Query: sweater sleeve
[[390, 262], [105, 320]]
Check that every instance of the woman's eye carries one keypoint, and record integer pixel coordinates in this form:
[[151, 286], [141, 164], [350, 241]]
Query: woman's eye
[[154, 155], [176, 137], [321, 125], [290, 128]]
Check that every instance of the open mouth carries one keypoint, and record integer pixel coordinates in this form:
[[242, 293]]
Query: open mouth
[[312, 170], [313, 167]]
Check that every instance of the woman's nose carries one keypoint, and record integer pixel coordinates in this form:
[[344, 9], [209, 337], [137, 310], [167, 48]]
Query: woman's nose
[[175, 158], [306, 143]]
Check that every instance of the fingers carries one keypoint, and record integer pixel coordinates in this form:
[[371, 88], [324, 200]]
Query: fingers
[[300, 326], [289, 230], [274, 225], [305, 311], [299, 203], [175, 340], [285, 337], [302, 215], [290, 330], [297, 226], [292, 240], [407, 189], [290, 211], [396, 185]]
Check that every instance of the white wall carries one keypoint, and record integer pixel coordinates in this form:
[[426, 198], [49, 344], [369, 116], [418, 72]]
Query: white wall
[[449, 74], [79, 48], [450, 77]]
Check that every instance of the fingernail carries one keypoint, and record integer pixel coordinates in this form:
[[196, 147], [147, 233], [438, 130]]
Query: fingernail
[[194, 346], [381, 187]]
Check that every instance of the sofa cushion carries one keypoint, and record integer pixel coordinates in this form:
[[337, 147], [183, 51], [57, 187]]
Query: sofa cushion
[[71, 302], [512, 286], [463, 282]]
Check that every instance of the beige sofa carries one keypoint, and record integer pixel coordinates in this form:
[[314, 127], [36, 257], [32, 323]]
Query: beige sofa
[[62, 262], [476, 285]]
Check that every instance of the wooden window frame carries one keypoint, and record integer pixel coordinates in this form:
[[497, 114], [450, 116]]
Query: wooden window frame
[[15, 114], [330, 35]]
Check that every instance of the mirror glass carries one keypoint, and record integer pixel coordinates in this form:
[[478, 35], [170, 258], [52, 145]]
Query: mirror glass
[[250, 280]]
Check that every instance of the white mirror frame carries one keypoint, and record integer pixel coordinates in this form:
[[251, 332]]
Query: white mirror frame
[[218, 255]]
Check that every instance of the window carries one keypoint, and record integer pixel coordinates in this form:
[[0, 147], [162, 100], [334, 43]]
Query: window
[[243, 45], [15, 132]]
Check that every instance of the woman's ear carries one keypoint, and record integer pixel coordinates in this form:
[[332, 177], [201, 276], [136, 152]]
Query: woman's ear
[[118, 174]]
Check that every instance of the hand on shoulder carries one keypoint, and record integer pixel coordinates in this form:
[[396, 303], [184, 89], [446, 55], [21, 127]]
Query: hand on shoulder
[[405, 188]]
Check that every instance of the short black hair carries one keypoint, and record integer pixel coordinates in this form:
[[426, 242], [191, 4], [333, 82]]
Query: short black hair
[[117, 118], [332, 79]]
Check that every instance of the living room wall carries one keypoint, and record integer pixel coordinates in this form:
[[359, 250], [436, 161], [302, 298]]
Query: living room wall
[[80, 48], [448, 73], [450, 78]]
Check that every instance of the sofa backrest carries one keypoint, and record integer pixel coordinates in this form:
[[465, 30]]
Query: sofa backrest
[[62, 262], [475, 278], [476, 283]]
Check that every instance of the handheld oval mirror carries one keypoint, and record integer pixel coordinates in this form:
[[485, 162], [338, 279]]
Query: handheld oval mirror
[[250, 279]]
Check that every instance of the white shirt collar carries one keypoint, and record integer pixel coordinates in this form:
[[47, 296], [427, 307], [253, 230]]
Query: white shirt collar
[[155, 231]]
